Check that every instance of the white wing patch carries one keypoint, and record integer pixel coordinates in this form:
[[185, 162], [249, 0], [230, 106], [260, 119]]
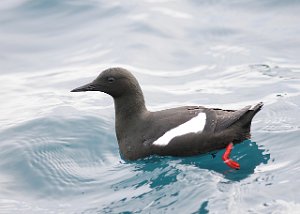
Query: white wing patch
[[196, 124]]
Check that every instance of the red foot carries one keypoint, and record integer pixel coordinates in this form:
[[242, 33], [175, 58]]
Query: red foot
[[227, 160]]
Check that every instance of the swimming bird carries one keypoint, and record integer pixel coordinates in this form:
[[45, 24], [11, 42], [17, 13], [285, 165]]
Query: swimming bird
[[180, 131]]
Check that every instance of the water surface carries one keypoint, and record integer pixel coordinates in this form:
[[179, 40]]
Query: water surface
[[58, 149]]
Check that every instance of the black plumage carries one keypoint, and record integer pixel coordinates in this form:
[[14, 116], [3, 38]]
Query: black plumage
[[137, 128]]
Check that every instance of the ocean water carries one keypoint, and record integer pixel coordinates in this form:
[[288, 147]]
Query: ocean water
[[58, 150]]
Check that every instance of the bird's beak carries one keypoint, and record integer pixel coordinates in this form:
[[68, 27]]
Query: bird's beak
[[87, 87]]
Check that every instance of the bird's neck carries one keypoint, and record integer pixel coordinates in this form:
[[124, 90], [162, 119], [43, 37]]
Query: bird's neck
[[129, 107]]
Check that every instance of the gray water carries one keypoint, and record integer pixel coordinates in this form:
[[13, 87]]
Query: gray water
[[58, 150]]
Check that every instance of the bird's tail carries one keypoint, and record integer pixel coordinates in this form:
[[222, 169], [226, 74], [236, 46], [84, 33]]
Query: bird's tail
[[250, 114], [257, 108]]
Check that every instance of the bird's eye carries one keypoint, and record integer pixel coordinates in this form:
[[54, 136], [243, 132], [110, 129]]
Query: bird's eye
[[111, 79]]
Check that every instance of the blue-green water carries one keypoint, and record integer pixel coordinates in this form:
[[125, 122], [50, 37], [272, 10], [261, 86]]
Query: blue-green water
[[58, 151]]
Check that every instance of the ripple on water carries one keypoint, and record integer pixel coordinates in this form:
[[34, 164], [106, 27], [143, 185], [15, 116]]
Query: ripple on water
[[277, 115], [50, 161]]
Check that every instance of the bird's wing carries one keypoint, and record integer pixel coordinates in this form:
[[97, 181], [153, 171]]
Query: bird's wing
[[225, 118]]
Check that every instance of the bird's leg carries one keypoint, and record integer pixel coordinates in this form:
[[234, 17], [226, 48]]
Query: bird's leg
[[227, 160]]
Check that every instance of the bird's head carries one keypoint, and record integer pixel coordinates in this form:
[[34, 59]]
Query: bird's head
[[116, 82]]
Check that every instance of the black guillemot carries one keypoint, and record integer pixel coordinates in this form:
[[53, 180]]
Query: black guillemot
[[181, 131]]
